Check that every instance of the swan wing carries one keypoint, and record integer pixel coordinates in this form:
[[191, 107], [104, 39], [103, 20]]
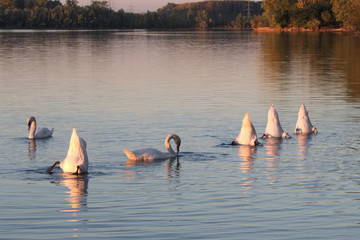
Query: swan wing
[[43, 132]]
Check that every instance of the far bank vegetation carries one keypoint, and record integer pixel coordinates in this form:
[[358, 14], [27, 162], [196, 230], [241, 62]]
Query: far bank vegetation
[[238, 15]]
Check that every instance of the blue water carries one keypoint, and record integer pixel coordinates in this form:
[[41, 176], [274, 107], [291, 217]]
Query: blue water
[[130, 89]]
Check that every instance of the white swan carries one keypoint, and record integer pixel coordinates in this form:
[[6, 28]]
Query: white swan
[[247, 134], [37, 132], [303, 124], [273, 127], [150, 154], [76, 160]]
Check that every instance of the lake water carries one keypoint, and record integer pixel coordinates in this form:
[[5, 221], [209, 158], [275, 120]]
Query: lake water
[[130, 89]]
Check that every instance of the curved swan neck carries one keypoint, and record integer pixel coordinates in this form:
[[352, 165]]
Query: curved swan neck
[[168, 145], [32, 128]]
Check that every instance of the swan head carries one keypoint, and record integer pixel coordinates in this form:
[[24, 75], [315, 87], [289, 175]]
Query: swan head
[[30, 120], [177, 141]]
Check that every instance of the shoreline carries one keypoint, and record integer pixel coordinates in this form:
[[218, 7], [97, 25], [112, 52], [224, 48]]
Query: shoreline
[[301, 29]]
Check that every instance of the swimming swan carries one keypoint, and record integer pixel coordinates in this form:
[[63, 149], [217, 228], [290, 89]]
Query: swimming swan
[[37, 132], [150, 154], [76, 160], [303, 124], [273, 127], [247, 134]]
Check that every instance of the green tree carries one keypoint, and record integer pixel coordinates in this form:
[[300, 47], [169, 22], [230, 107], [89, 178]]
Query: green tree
[[70, 14], [241, 22], [202, 19], [71, 3], [56, 15]]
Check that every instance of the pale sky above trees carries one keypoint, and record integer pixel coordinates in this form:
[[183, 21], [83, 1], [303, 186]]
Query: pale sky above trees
[[136, 5]]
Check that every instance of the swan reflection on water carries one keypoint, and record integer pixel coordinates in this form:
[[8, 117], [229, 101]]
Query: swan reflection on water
[[173, 167], [246, 153], [272, 146], [303, 144], [77, 194], [77, 198], [172, 164], [32, 149]]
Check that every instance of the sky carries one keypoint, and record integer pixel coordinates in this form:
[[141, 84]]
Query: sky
[[138, 6]]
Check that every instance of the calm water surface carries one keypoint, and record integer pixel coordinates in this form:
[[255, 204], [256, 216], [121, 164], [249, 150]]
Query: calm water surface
[[131, 89]]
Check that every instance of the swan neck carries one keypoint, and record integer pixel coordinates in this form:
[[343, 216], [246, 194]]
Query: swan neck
[[32, 130], [168, 146]]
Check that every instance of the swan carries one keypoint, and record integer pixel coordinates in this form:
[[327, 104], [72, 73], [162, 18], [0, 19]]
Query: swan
[[150, 154], [76, 160], [273, 127], [247, 134], [37, 132], [303, 124]]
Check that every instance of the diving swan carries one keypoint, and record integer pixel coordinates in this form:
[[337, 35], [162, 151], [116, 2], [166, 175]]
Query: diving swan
[[150, 154], [76, 160], [303, 124], [247, 134], [273, 127], [36, 133]]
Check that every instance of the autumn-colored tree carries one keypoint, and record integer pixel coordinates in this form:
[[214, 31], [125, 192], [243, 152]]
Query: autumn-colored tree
[[347, 12], [277, 12], [7, 4], [311, 14]]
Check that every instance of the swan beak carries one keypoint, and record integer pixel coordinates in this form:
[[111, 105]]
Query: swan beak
[[28, 127], [177, 149]]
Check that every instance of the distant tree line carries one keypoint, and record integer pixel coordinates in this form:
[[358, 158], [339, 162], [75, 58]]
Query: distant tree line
[[208, 14], [311, 14], [52, 14]]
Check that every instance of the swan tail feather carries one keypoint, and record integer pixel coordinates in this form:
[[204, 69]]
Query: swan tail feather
[[129, 154]]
